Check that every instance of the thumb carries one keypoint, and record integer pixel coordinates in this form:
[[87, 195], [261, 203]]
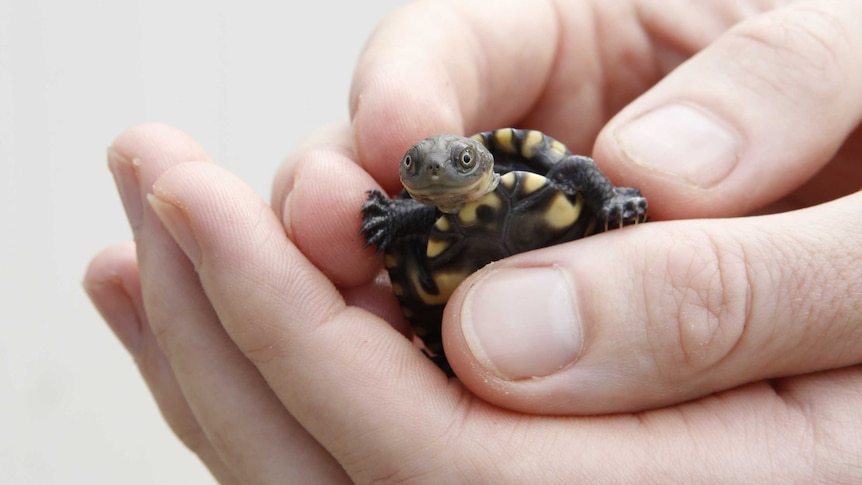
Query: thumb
[[662, 313], [748, 119]]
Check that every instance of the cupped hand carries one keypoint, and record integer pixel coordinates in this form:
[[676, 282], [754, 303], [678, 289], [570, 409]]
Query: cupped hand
[[704, 311], [209, 392], [763, 115]]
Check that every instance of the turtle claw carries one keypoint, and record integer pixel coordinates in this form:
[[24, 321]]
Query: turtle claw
[[385, 221], [376, 218], [627, 207]]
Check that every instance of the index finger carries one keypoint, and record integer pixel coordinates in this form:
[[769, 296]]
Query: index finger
[[436, 67], [560, 67]]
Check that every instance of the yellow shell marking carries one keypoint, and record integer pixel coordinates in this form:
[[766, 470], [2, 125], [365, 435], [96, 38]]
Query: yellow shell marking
[[558, 147], [532, 182], [467, 214], [446, 283], [507, 180], [397, 289], [504, 140], [562, 213], [436, 247], [442, 224], [531, 141]]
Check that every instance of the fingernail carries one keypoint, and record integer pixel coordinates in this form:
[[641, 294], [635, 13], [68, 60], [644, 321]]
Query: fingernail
[[682, 140], [522, 323], [177, 222], [126, 179]]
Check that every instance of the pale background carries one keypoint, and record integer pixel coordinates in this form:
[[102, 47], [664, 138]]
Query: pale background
[[247, 79]]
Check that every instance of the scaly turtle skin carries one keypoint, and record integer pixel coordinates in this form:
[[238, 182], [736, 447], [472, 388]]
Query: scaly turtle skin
[[470, 201]]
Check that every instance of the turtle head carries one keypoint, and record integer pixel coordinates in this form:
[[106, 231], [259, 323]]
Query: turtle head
[[448, 171]]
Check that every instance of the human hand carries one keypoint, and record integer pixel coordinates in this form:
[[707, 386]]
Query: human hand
[[764, 113], [381, 410], [764, 117], [209, 393]]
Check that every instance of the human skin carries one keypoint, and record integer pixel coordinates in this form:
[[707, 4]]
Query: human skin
[[695, 350]]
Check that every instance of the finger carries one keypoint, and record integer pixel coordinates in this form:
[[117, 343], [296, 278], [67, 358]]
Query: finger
[[318, 193], [437, 67], [662, 313], [317, 353], [266, 444], [746, 121], [388, 415], [560, 67], [113, 284]]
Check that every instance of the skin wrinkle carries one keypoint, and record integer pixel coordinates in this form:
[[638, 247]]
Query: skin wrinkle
[[805, 295], [750, 301], [808, 55], [728, 258], [650, 310], [747, 448], [694, 301], [829, 34], [678, 295], [799, 292], [741, 326], [413, 467], [488, 438], [839, 284]]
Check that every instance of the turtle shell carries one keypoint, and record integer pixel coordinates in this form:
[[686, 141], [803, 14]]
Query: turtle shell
[[522, 213]]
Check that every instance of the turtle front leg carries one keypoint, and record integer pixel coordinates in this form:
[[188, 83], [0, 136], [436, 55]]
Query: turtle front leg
[[385, 220], [615, 206]]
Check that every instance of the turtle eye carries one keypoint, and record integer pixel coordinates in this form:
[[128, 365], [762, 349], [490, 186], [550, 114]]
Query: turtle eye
[[466, 159], [407, 164]]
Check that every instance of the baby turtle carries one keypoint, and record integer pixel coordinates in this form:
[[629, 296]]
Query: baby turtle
[[470, 201]]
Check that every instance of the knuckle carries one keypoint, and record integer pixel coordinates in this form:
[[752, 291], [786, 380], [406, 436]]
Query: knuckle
[[703, 307], [804, 48]]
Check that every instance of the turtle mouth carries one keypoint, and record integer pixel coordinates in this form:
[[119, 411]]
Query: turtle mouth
[[438, 185], [451, 197]]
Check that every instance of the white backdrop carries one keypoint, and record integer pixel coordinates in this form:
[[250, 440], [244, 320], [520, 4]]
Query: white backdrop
[[247, 79]]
